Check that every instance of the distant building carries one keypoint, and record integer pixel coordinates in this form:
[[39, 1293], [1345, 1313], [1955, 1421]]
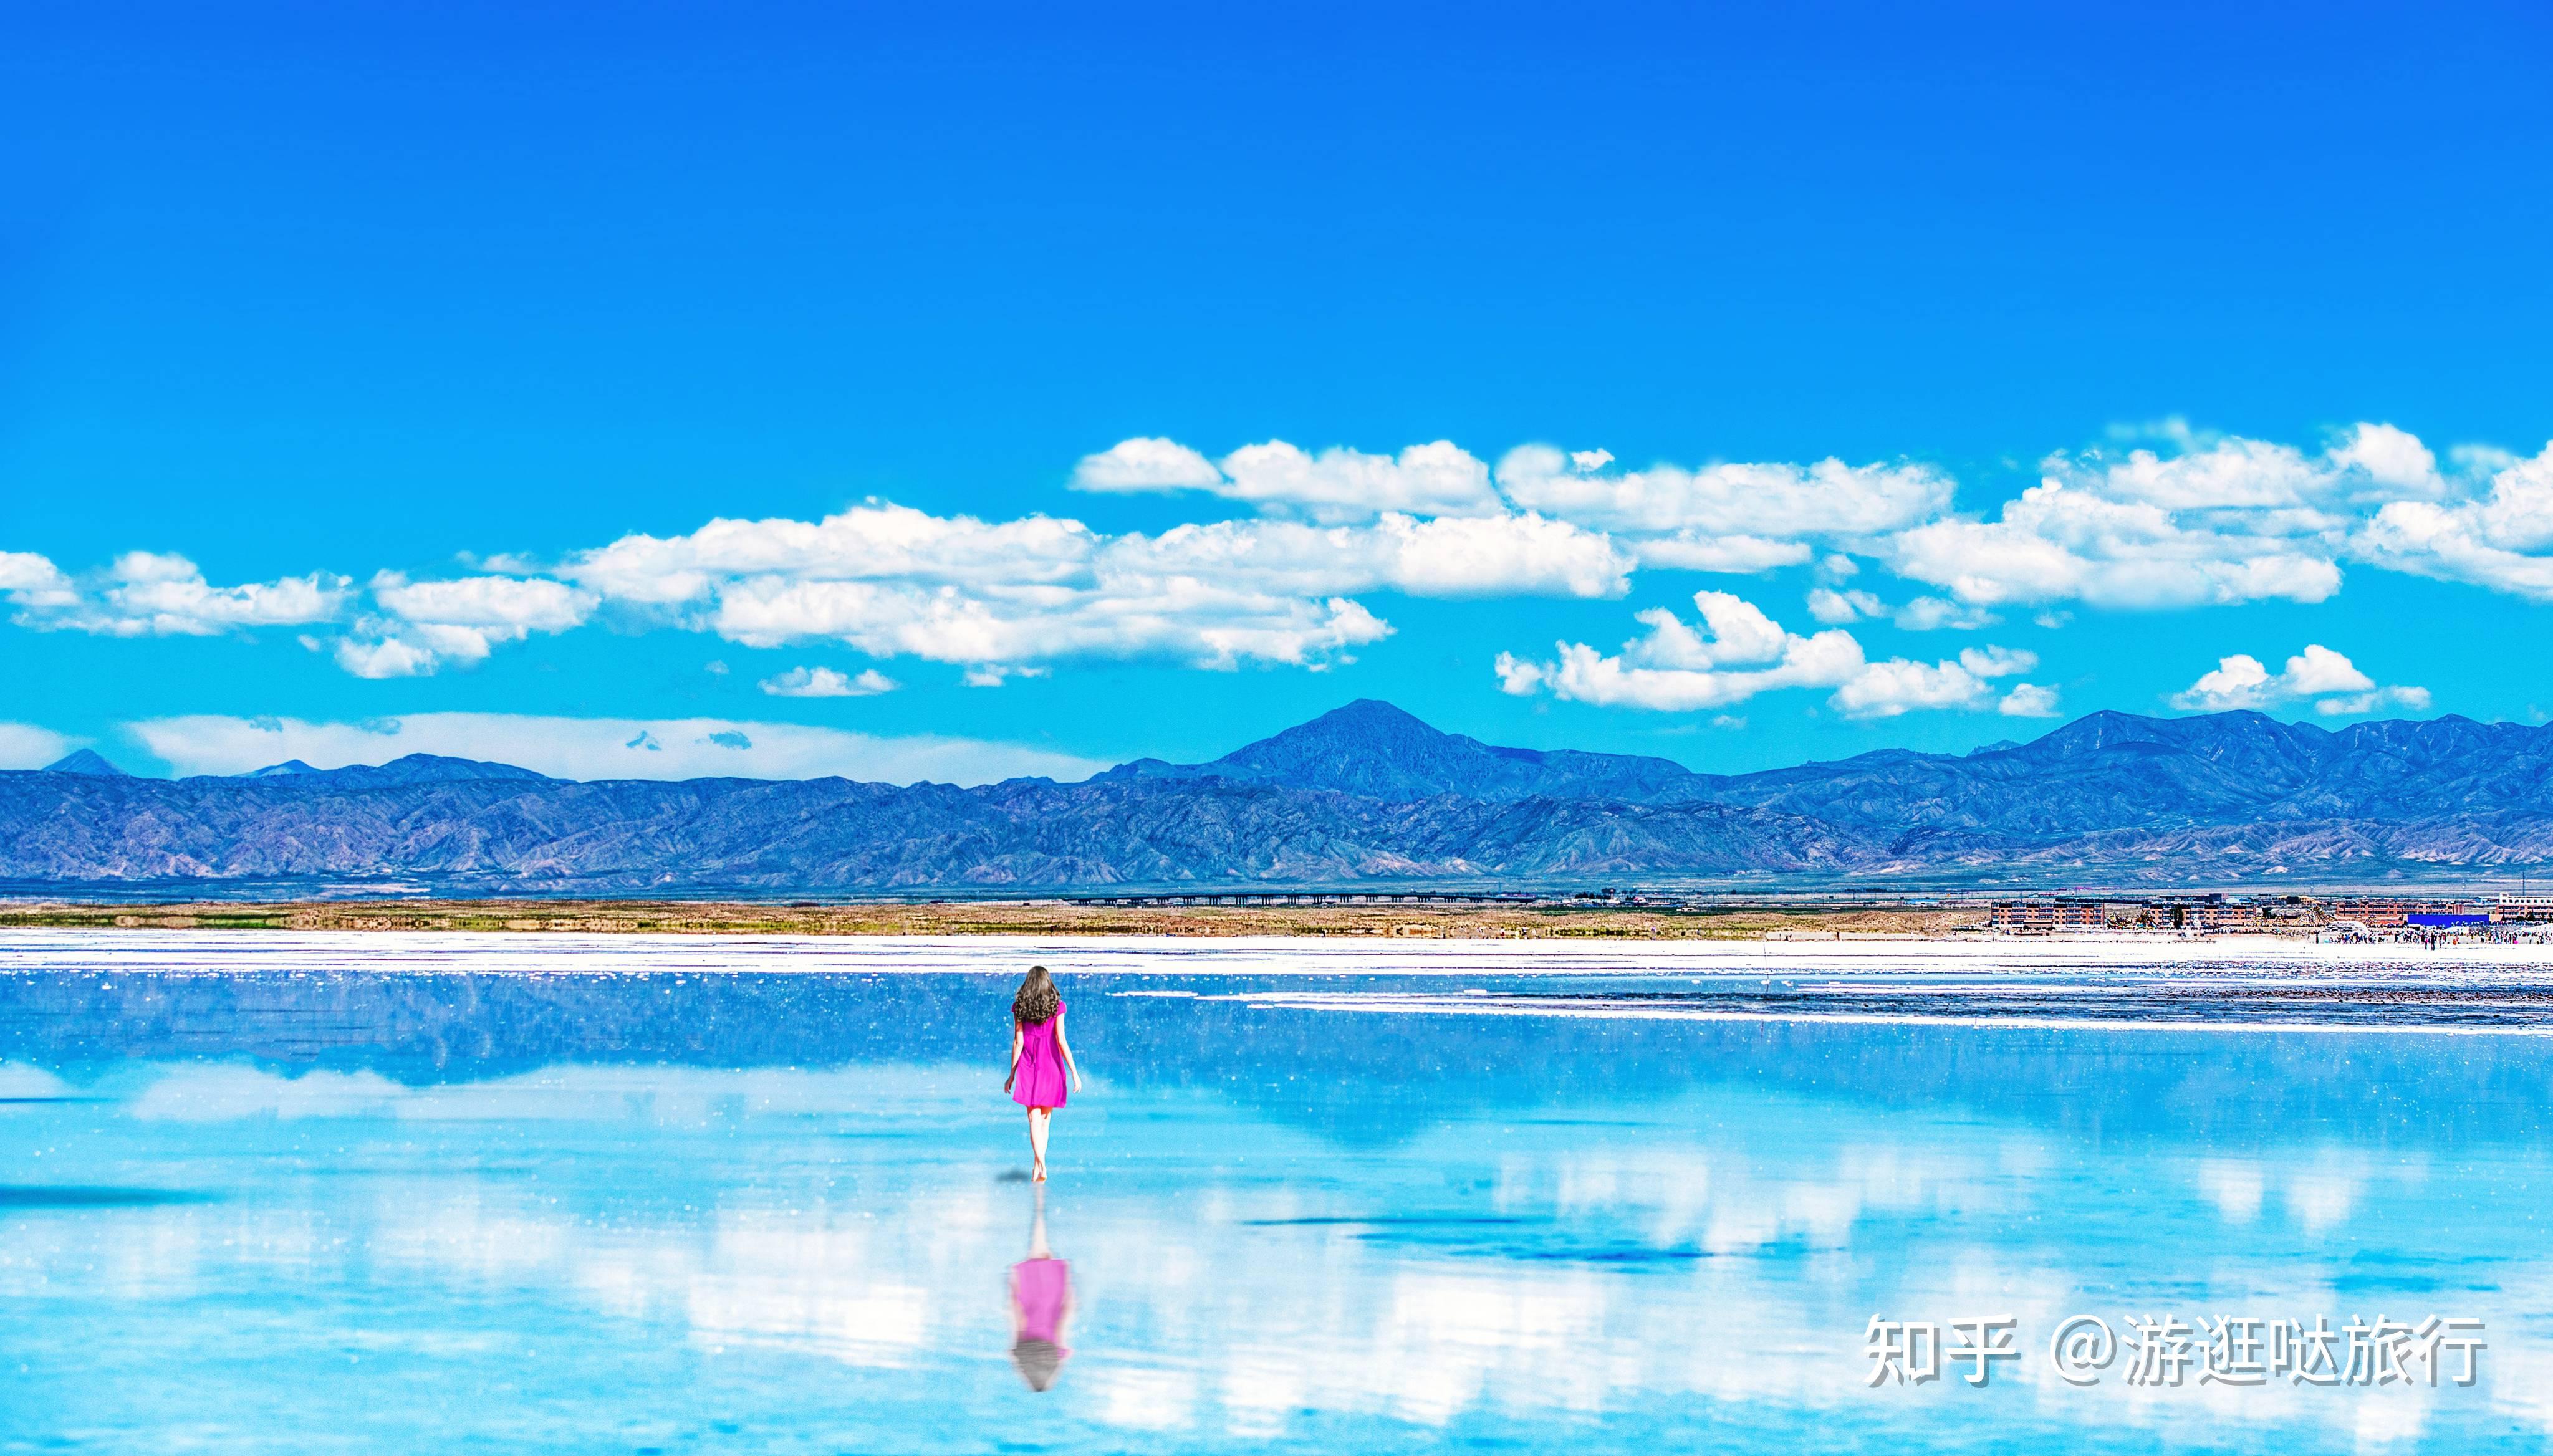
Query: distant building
[[2523, 907], [2086, 913], [2044, 916], [2384, 912], [2225, 916]]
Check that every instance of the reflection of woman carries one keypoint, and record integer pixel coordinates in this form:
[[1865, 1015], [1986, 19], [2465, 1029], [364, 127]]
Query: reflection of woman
[[1041, 1059], [1041, 1306]]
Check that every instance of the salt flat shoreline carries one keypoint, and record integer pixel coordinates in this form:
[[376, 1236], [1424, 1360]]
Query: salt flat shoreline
[[1422, 921], [1866, 958]]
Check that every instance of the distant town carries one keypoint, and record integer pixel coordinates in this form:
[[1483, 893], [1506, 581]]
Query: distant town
[[2523, 918], [2425, 919]]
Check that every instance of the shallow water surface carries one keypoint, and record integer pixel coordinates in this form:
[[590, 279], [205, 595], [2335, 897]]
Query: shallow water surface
[[337, 1194]]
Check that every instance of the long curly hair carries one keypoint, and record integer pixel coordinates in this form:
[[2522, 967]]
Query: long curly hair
[[1038, 1000]]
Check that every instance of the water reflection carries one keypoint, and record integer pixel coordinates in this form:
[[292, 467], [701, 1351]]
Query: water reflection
[[1041, 1306], [1289, 1228]]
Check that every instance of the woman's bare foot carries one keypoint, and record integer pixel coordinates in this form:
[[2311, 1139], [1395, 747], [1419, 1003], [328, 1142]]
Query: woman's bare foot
[[1037, 1177]]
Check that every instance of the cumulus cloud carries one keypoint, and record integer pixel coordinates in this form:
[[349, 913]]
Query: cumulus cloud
[[2319, 673], [1146, 464], [2028, 700], [24, 746], [1447, 556], [1931, 613], [1835, 608], [2227, 519], [424, 624], [892, 581], [1436, 478], [2493, 538], [2061, 540], [2158, 518], [1770, 501], [1727, 555], [2394, 459], [602, 747], [1335, 484], [34, 584], [150, 593], [827, 682], [1738, 652], [996, 598], [1897, 686], [874, 541], [1922, 615], [1197, 621]]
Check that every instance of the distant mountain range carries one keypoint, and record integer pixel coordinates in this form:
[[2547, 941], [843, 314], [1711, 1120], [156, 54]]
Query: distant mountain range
[[1366, 795]]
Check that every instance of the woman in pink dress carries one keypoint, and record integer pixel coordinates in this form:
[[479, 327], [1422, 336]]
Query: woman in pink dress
[[1041, 1059]]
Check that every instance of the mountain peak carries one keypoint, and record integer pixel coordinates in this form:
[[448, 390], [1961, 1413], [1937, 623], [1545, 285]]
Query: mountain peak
[[1367, 722], [86, 761], [1375, 751], [426, 768], [416, 768]]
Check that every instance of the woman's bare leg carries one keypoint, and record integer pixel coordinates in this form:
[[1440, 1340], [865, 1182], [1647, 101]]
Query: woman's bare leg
[[1036, 1141]]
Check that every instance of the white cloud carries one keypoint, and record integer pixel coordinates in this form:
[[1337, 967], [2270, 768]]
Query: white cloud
[[602, 747], [1835, 608], [996, 598], [427, 623], [1146, 464], [1194, 621], [2158, 518], [24, 746], [1729, 556], [2242, 681], [507, 608], [891, 581], [2392, 458], [1773, 502], [2028, 700], [159, 595], [1448, 556], [2229, 474], [383, 657], [2227, 519], [1740, 652], [1921, 614], [2485, 540], [2061, 540], [33, 583], [827, 682], [1675, 668], [1437, 478], [1931, 613], [1334, 485], [1888, 689], [875, 541], [2415, 700]]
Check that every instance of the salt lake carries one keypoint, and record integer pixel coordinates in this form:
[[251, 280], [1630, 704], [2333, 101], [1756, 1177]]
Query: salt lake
[[312, 1192]]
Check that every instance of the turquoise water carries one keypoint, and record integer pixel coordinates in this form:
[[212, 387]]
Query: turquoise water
[[321, 1194]]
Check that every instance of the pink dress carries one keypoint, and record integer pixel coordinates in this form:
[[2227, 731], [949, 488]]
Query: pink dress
[[1039, 1080]]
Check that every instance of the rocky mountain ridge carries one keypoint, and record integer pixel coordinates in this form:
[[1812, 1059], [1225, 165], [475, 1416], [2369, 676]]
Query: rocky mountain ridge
[[1363, 795]]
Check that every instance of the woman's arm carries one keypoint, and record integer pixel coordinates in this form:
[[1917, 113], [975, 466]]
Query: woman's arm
[[1014, 1072], [1065, 1047]]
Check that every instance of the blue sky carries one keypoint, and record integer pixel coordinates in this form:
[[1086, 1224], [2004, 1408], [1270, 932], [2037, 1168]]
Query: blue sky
[[418, 348]]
